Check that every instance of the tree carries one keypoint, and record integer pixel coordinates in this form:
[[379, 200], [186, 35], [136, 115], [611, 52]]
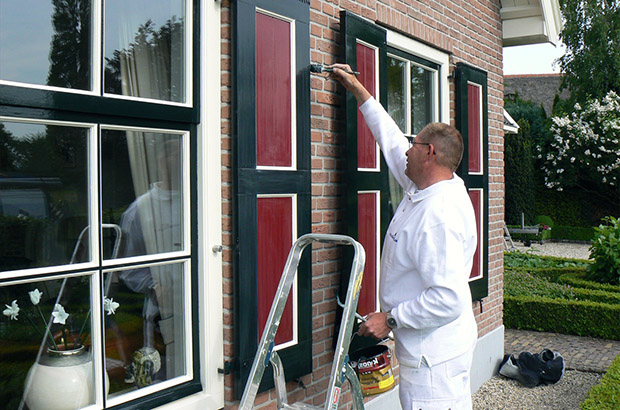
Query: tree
[[591, 33], [70, 54], [519, 174], [585, 151]]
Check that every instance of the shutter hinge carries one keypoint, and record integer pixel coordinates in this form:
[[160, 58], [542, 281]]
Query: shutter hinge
[[228, 367]]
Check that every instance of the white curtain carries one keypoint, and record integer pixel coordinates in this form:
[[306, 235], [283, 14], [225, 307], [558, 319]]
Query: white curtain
[[156, 178]]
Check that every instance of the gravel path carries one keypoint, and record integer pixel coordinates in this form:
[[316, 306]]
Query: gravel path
[[501, 393], [559, 249]]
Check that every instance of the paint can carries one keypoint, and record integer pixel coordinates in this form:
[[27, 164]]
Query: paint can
[[373, 366]]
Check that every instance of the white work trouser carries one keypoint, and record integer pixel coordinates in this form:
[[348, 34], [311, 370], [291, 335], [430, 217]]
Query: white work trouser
[[444, 386]]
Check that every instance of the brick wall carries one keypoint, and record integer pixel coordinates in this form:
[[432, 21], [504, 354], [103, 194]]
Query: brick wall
[[471, 33]]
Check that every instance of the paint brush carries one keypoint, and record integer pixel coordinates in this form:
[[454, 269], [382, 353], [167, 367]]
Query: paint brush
[[320, 68]]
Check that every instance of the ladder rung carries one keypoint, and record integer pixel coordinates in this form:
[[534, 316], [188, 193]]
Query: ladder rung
[[301, 406]]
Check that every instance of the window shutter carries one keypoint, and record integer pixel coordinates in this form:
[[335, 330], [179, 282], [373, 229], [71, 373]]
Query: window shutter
[[367, 192], [472, 122], [272, 179]]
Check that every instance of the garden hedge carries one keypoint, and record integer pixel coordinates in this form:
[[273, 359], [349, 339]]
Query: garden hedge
[[572, 233], [579, 281], [606, 394], [577, 317]]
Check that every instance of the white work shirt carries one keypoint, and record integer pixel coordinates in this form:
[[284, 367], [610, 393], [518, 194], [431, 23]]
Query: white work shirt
[[427, 257]]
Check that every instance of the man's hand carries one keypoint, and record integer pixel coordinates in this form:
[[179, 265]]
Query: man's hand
[[349, 81], [375, 326]]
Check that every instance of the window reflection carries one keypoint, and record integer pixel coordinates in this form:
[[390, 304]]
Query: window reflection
[[43, 195], [142, 190], [146, 343], [45, 344], [397, 95], [145, 49], [58, 36], [410, 104], [421, 98]]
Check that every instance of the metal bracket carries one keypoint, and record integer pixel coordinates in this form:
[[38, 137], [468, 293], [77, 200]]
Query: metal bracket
[[228, 367]]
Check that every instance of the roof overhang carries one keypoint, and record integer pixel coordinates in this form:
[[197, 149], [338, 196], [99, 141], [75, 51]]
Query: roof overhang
[[510, 125], [530, 22]]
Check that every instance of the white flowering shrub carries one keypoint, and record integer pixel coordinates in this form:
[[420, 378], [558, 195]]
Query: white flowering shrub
[[585, 150]]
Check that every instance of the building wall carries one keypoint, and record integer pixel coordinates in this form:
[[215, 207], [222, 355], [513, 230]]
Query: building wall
[[471, 33]]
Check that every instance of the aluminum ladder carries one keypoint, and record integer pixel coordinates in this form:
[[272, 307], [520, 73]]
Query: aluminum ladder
[[341, 368]]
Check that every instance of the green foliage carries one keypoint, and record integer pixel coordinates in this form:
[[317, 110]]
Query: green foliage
[[519, 174], [550, 294], [569, 207], [573, 233], [532, 113], [605, 251], [606, 394], [577, 317], [528, 261], [578, 280], [544, 220], [585, 150], [523, 283], [591, 34]]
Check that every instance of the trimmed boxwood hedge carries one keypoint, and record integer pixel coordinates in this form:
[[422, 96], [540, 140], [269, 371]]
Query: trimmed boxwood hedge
[[572, 233], [559, 299], [606, 394], [577, 317], [578, 280]]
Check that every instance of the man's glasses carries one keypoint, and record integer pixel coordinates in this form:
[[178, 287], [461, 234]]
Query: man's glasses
[[412, 141]]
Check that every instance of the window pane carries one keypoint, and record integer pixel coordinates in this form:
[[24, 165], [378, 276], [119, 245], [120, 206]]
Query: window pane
[[145, 49], [142, 190], [421, 98], [43, 195], [145, 338], [52, 319], [46, 43], [397, 92]]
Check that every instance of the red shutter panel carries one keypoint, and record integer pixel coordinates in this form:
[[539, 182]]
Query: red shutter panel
[[474, 94], [368, 231], [367, 156], [275, 237], [476, 199], [274, 125]]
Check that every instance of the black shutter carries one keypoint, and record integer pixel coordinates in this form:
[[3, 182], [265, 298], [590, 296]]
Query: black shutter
[[249, 182], [466, 75]]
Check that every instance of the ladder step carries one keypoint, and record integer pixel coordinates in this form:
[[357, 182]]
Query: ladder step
[[301, 406]]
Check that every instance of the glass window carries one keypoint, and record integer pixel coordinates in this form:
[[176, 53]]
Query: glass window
[[46, 43], [143, 190], [422, 96], [145, 341], [145, 49], [44, 195], [412, 100], [397, 85], [46, 355]]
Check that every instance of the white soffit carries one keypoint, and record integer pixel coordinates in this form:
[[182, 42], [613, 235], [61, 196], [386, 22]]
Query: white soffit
[[530, 22], [510, 125]]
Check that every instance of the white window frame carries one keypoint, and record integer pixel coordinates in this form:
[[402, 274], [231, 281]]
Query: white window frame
[[209, 258], [185, 161], [97, 40], [93, 207], [434, 55]]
